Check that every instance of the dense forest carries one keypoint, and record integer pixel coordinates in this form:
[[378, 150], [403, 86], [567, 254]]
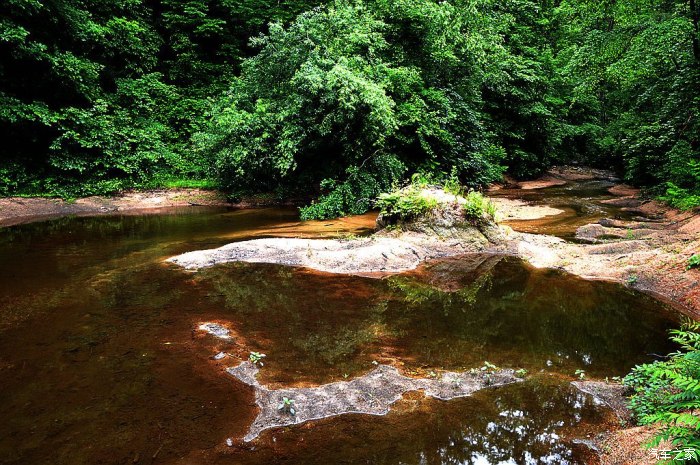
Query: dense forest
[[336, 102]]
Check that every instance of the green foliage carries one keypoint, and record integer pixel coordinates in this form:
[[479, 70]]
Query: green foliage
[[668, 392], [99, 96], [639, 67], [350, 97], [683, 199], [357, 192], [693, 261], [405, 204], [487, 371], [476, 206], [256, 358], [287, 406], [488, 367], [337, 103]]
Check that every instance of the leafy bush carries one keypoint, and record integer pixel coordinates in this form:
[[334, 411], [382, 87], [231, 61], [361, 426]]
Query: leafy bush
[[477, 206], [683, 199], [405, 204], [412, 201], [668, 392], [693, 261], [351, 96], [356, 194]]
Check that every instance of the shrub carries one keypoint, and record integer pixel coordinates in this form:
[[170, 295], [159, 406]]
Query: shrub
[[405, 204], [477, 206], [668, 392], [693, 261], [352, 95], [682, 199]]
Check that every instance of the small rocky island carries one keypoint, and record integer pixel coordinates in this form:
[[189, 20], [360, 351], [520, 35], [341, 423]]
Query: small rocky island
[[421, 223], [439, 224]]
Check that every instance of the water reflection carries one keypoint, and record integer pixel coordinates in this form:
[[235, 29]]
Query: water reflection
[[530, 423], [452, 314], [100, 365]]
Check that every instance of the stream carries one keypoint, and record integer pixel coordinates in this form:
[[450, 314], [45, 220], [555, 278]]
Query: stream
[[581, 203], [102, 363]]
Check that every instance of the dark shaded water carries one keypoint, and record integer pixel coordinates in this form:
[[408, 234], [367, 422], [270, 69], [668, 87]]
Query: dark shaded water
[[101, 364]]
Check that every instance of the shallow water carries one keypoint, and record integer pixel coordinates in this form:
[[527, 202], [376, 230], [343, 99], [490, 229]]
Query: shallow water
[[580, 202], [101, 361]]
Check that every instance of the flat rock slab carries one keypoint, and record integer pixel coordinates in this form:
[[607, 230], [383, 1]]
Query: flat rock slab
[[216, 330], [596, 232], [514, 209], [337, 256], [610, 394], [371, 394]]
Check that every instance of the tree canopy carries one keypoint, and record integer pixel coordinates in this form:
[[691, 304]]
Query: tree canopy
[[339, 101]]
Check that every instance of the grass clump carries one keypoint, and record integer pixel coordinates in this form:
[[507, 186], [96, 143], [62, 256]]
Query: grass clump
[[693, 262], [476, 206], [668, 392]]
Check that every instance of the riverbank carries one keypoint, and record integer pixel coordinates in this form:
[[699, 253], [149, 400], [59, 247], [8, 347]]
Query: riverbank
[[648, 252], [110, 269], [20, 210]]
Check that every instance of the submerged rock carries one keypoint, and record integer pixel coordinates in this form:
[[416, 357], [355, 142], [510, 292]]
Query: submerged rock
[[610, 394], [372, 394], [216, 330]]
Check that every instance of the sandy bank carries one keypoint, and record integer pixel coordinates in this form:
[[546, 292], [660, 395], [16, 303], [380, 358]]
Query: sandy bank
[[20, 210]]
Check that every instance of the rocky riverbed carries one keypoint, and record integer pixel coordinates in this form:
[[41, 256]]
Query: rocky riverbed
[[648, 252]]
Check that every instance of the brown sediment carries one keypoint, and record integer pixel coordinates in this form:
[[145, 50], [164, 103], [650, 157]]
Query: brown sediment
[[624, 446], [541, 183], [628, 447], [624, 190], [21, 210], [560, 176]]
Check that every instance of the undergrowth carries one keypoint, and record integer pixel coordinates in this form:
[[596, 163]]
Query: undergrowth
[[413, 201], [405, 204], [668, 393]]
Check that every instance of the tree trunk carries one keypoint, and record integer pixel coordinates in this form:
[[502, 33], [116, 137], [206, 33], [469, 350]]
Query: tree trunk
[[695, 17]]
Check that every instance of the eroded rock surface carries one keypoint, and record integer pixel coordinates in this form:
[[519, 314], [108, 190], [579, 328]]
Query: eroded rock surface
[[371, 394], [216, 330], [610, 394]]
